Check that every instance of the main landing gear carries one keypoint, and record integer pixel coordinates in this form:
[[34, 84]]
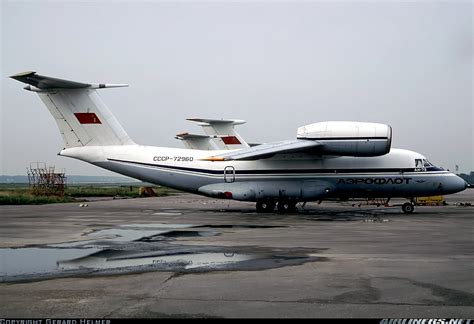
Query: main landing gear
[[289, 206], [283, 206], [265, 206]]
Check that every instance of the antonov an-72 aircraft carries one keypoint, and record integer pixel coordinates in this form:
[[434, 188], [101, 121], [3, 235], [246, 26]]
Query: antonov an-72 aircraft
[[334, 159]]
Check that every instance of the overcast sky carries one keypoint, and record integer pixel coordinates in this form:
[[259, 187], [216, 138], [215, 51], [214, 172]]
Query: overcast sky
[[278, 65]]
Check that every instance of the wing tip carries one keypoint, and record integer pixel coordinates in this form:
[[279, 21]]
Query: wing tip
[[22, 74]]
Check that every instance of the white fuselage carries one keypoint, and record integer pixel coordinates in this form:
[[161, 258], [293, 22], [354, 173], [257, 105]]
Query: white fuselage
[[298, 176]]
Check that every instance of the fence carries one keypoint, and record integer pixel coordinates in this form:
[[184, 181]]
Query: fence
[[44, 181]]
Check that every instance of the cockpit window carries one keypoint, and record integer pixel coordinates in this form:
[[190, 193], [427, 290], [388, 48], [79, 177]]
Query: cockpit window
[[427, 164], [419, 165]]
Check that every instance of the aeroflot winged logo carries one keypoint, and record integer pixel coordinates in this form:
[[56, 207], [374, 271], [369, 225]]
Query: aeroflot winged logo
[[87, 118]]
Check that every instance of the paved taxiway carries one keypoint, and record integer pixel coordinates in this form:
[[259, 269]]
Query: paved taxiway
[[330, 260]]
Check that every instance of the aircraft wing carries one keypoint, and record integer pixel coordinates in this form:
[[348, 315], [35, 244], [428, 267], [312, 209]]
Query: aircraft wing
[[267, 150]]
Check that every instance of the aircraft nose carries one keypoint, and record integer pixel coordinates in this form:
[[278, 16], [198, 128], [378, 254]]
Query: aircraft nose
[[455, 184], [466, 185]]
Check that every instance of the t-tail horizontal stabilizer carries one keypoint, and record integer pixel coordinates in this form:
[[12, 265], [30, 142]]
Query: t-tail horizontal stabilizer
[[39, 82]]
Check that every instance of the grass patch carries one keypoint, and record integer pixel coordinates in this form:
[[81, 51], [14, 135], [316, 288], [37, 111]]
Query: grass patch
[[130, 191], [20, 194]]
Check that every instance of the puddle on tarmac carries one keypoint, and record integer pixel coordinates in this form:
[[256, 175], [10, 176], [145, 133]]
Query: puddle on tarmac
[[126, 233], [179, 261], [142, 247], [158, 225], [241, 226], [36, 261], [178, 234]]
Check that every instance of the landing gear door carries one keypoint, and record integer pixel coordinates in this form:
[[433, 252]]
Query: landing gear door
[[229, 174]]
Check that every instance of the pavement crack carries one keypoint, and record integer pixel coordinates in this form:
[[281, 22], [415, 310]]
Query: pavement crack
[[174, 275], [109, 314]]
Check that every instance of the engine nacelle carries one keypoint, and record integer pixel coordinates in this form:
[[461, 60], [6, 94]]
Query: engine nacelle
[[349, 138]]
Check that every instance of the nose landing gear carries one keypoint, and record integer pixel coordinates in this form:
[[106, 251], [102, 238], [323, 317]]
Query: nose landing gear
[[408, 207]]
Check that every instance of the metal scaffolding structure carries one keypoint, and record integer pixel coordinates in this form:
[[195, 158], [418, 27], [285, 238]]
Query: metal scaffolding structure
[[44, 181]]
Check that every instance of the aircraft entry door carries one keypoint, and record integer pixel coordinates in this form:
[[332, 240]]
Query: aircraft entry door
[[229, 174]]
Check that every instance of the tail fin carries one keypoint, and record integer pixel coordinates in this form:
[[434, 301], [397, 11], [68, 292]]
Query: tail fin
[[222, 132], [82, 118], [196, 142]]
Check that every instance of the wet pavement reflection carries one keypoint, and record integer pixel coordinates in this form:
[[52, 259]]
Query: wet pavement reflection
[[144, 247]]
